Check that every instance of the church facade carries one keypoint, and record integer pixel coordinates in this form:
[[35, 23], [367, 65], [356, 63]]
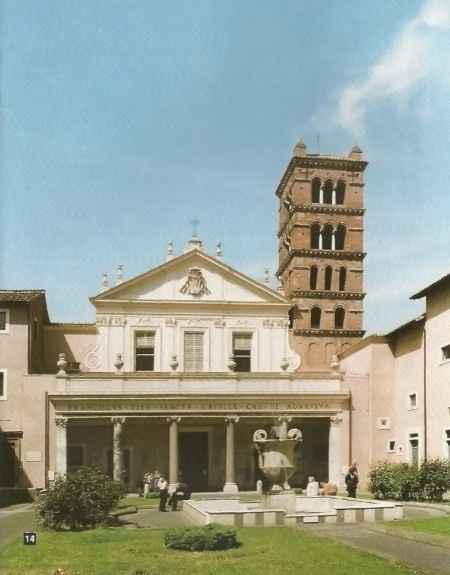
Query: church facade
[[185, 361], [182, 365]]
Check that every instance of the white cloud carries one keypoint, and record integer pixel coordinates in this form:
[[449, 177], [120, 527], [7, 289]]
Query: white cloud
[[401, 67]]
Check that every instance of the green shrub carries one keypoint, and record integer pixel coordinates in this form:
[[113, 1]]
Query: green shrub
[[80, 500], [405, 482], [434, 479], [210, 538]]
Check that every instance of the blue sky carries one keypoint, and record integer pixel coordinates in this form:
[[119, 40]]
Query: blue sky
[[122, 121]]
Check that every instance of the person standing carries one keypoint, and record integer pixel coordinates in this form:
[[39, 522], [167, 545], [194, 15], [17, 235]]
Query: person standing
[[351, 480], [163, 487], [147, 483]]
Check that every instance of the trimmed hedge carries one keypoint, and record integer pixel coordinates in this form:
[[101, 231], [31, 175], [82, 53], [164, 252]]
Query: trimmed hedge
[[404, 482], [210, 538], [79, 500]]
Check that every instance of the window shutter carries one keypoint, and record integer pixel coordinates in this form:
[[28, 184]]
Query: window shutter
[[145, 339], [242, 342], [193, 351]]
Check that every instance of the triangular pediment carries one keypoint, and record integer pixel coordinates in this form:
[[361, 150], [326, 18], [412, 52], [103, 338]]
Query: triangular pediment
[[192, 277]]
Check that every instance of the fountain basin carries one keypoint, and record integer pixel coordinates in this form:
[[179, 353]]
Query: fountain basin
[[307, 510]]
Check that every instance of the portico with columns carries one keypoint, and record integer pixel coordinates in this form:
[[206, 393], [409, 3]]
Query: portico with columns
[[129, 436]]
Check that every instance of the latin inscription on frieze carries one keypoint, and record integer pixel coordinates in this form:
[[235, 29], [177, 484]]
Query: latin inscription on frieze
[[195, 405]]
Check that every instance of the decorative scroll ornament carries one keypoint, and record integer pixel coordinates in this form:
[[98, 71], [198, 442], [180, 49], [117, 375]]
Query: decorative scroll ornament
[[295, 434], [260, 435], [195, 284]]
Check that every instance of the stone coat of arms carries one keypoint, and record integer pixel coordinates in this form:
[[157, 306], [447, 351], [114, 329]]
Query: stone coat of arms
[[195, 284]]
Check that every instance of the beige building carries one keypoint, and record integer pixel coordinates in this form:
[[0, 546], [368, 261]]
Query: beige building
[[181, 366], [400, 387]]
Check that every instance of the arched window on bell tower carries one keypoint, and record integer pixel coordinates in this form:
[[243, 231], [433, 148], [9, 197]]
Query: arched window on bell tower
[[313, 277], [315, 191], [328, 277], [327, 237], [342, 278], [339, 237], [328, 192], [340, 192], [316, 313], [315, 236], [339, 317]]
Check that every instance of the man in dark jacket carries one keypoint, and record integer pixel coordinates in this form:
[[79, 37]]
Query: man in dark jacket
[[351, 480]]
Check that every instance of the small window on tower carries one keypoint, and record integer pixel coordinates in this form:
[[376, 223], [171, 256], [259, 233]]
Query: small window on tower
[[328, 277], [340, 192], [412, 401], [391, 446], [315, 191], [328, 192], [242, 351], [313, 278], [342, 278], [339, 318], [316, 312]]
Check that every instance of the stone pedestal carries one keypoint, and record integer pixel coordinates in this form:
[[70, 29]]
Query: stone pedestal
[[279, 500]]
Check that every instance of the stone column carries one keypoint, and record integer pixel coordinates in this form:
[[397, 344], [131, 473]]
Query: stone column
[[334, 446], [173, 451], [230, 479], [61, 445], [333, 239], [118, 466]]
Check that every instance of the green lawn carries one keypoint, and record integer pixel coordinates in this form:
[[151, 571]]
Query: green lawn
[[120, 551], [433, 526]]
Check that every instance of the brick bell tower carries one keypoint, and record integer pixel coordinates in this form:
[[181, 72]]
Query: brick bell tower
[[320, 252]]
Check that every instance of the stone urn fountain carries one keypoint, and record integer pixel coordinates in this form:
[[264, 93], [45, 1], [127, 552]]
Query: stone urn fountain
[[276, 454]]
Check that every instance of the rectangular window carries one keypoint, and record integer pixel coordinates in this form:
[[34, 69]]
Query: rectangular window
[[4, 320], [412, 400], [414, 448], [145, 351], [391, 446], [445, 352], [2, 384], [242, 351], [447, 436], [193, 351]]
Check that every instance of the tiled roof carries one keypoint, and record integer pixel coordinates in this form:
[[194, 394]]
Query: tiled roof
[[440, 283], [20, 295]]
